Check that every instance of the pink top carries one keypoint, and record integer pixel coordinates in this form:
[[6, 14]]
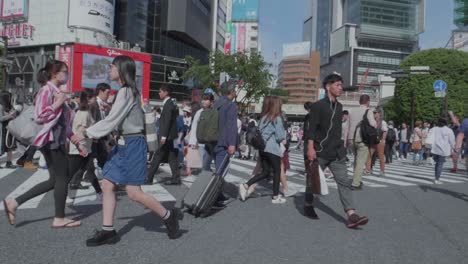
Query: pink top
[[48, 116]]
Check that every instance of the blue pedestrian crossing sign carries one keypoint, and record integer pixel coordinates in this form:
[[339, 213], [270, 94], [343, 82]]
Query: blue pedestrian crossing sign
[[440, 86]]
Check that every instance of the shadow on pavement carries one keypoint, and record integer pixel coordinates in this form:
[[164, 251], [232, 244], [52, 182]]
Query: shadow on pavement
[[458, 195], [299, 203], [149, 221]]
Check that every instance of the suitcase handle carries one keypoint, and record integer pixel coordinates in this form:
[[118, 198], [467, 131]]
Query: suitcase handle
[[227, 162]]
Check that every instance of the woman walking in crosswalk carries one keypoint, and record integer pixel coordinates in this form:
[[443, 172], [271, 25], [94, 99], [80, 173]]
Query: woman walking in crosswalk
[[273, 133], [127, 162], [444, 144], [53, 112]]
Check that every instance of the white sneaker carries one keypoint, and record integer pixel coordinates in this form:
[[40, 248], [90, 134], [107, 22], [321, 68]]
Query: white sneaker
[[251, 190], [437, 182], [69, 201], [278, 200], [242, 192]]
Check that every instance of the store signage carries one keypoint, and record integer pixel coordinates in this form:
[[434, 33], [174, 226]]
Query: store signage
[[113, 53], [16, 32], [13, 9]]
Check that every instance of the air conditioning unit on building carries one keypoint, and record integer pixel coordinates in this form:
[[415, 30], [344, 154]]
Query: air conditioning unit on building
[[124, 45]]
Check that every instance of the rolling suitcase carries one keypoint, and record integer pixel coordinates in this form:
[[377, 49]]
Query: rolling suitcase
[[204, 191]]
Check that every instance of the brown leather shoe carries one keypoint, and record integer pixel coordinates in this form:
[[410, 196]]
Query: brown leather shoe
[[30, 166]]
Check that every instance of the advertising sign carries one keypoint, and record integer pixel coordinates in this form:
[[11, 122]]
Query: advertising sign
[[233, 39], [245, 10], [298, 49], [241, 30], [227, 44], [91, 66], [17, 32], [92, 14], [13, 9], [65, 54]]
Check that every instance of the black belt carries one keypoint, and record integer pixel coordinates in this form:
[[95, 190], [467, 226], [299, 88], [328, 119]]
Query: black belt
[[132, 135]]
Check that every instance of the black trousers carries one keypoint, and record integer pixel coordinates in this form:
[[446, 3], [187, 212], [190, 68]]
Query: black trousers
[[164, 152], [270, 163], [57, 162], [28, 155], [77, 166], [389, 151]]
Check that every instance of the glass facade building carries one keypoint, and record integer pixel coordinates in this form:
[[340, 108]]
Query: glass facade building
[[461, 14]]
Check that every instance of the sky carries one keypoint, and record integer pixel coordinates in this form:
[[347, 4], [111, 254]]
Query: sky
[[281, 22]]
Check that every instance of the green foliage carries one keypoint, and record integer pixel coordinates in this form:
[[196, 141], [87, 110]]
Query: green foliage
[[448, 65], [251, 70]]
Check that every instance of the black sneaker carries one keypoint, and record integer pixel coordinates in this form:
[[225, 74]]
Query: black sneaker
[[102, 237], [355, 220], [172, 224], [357, 188], [309, 211], [78, 187], [9, 165]]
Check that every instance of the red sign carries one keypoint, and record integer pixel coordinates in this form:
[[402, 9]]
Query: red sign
[[65, 54], [84, 73]]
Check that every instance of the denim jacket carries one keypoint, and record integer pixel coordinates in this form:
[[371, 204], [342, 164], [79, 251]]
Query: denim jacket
[[273, 133]]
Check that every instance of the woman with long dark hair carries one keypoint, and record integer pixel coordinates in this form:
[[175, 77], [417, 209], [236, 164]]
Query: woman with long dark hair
[[7, 113], [273, 133], [126, 164], [53, 112], [78, 163]]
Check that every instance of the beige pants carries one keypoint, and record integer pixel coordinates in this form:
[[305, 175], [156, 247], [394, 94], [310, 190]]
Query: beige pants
[[361, 153]]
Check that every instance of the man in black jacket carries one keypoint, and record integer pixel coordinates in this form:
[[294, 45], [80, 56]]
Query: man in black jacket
[[325, 144], [167, 134]]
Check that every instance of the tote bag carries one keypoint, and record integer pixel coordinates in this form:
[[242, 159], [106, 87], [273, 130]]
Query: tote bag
[[24, 128]]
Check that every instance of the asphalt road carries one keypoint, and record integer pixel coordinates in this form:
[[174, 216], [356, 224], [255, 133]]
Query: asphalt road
[[417, 223]]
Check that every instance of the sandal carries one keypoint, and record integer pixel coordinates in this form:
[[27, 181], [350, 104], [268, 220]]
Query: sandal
[[9, 214]]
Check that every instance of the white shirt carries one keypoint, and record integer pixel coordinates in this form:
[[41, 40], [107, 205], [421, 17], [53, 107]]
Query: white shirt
[[101, 104], [193, 132], [444, 141], [239, 126]]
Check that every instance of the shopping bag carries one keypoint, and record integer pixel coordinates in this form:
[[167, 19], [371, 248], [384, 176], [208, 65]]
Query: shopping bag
[[316, 178], [193, 158]]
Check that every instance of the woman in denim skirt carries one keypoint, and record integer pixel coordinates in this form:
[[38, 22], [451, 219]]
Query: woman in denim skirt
[[127, 162]]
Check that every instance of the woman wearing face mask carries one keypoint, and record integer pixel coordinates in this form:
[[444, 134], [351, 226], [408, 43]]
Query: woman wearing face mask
[[126, 164], [52, 111]]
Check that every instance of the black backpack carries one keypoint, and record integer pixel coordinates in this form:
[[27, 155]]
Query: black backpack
[[391, 135], [369, 134], [253, 136]]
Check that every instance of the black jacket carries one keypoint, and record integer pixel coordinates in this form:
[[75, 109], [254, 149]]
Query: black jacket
[[168, 120], [325, 131]]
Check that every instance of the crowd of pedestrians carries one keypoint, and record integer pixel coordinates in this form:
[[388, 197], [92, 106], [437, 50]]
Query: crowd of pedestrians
[[98, 133]]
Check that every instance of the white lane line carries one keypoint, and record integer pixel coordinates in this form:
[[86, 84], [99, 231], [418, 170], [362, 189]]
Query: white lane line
[[87, 196], [430, 176], [389, 181], [5, 172], [38, 177], [158, 192], [429, 172]]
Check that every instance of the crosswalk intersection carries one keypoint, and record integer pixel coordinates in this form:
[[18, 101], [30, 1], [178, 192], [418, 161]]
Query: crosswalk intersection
[[397, 174]]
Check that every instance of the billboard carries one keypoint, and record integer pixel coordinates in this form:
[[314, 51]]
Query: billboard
[[13, 9], [241, 31], [233, 39], [65, 54], [460, 40], [91, 66], [298, 49], [92, 14], [245, 10]]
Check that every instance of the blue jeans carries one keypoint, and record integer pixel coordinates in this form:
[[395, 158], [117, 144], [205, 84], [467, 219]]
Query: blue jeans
[[420, 153], [403, 149], [205, 157], [439, 160]]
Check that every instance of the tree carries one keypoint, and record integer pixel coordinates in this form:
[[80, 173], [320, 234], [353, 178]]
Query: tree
[[448, 65], [250, 71]]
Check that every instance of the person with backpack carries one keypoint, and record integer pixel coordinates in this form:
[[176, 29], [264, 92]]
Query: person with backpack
[[326, 146], [390, 142], [200, 128], [358, 142], [378, 147], [272, 133]]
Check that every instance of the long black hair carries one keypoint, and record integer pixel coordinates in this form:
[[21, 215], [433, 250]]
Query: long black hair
[[5, 101], [127, 72], [52, 67], [85, 96]]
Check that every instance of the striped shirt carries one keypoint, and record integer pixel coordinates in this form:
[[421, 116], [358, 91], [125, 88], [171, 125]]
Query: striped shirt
[[45, 114]]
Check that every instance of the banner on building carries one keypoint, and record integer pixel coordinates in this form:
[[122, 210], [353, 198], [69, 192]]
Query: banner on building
[[227, 43], [233, 39], [92, 14], [298, 49], [65, 54], [241, 30], [245, 10], [13, 9]]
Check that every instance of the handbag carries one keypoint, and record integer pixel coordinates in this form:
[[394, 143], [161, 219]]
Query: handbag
[[193, 158], [24, 128], [316, 178], [416, 145]]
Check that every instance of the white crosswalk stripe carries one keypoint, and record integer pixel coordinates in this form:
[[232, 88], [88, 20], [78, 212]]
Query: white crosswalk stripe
[[398, 173]]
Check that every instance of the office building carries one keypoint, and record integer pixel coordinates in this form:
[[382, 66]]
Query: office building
[[362, 39], [299, 73]]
